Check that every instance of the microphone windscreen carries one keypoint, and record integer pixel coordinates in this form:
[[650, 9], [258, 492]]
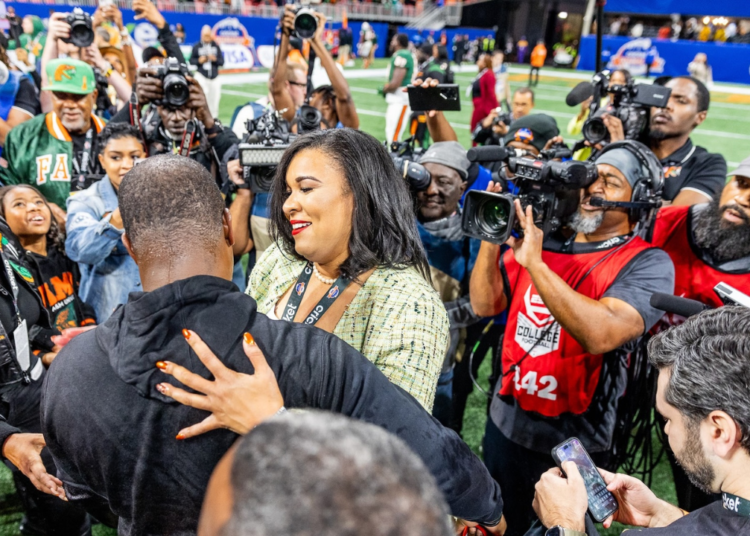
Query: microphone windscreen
[[674, 304], [490, 153], [580, 93]]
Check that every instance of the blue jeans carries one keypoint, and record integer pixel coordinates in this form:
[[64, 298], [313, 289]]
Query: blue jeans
[[443, 408]]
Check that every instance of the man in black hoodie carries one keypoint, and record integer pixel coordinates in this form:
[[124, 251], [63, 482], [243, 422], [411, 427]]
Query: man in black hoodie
[[113, 434]]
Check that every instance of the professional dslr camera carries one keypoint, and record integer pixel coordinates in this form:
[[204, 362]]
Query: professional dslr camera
[[405, 158], [305, 22], [174, 82], [261, 149], [502, 117], [550, 187], [81, 29], [631, 104]]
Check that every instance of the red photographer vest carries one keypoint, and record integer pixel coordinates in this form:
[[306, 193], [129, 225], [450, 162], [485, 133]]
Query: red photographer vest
[[557, 376], [694, 278]]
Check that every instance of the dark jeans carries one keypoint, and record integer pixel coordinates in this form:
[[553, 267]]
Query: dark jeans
[[462, 384], [45, 515], [517, 470], [443, 408]]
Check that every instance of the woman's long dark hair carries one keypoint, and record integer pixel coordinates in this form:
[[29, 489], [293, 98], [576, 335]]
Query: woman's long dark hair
[[55, 235], [384, 229]]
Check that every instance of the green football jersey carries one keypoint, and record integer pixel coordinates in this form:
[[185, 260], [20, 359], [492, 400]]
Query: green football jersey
[[40, 152], [404, 60]]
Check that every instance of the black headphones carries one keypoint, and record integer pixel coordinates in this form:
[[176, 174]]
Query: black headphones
[[646, 197]]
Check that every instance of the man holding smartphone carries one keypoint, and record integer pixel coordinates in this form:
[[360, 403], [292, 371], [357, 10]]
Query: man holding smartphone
[[577, 305], [708, 429]]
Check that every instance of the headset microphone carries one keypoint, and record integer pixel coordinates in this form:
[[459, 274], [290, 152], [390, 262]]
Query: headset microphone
[[603, 203]]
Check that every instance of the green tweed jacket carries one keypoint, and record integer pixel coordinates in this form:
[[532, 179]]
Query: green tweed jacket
[[396, 320]]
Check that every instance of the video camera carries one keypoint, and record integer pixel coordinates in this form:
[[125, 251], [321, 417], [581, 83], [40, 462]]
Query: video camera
[[405, 157], [550, 187], [81, 29], [261, 149], [173, 75], [631, 104]]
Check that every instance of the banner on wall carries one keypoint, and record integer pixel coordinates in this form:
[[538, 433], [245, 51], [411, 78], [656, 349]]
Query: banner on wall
[[730, 62], [636, 56], [236, 44]]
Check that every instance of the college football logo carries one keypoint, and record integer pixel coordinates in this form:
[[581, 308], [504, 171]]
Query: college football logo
[[64, 71], [300, 288], [524, 135]]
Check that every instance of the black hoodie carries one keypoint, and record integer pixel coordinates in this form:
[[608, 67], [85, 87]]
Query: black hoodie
[[112, 434]]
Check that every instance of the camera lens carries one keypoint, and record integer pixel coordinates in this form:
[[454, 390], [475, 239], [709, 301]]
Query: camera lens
[[305, 24], [176, 90], [81, 34], [492, 216], [595, 131]]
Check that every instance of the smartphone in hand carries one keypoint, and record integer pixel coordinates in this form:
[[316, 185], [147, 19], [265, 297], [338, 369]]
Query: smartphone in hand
[[602, 503], [442, 98]]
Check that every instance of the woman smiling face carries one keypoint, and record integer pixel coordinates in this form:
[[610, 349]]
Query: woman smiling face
[[319, 206], [26, 212]]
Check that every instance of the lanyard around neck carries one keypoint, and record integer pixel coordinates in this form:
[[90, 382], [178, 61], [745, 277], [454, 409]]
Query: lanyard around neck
[[298, 292], [735, 504]]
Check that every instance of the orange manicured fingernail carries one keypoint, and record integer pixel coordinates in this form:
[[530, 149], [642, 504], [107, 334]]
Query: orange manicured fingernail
[[186, 334], [249, 339], [161, 365], [180, 437]]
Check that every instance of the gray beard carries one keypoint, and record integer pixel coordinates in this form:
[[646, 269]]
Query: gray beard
[[693, 460], [585, 224]]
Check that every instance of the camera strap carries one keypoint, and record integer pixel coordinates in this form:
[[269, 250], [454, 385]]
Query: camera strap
[[135, 117], [82, 169], [298, 292], [188, 136]]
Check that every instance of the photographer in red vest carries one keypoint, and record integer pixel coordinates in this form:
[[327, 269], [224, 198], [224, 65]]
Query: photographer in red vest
[[709, 244], [577, 302]]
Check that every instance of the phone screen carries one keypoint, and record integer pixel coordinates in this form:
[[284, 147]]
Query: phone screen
[[602, 503], [444, 97]]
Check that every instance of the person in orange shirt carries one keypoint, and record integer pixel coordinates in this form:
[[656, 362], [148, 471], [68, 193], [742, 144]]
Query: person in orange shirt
[[538, 55]]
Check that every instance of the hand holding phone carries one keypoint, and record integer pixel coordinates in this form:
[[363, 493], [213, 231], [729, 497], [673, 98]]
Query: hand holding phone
[[602, 504]]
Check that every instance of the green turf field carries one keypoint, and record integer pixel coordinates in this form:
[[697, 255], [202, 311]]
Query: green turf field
[[725, 131]]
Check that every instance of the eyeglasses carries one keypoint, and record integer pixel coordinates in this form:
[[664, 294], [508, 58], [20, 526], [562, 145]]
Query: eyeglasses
[[300, 84]]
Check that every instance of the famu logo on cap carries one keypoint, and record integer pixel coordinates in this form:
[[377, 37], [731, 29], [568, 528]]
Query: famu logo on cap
[[64, 71], [69, 76]]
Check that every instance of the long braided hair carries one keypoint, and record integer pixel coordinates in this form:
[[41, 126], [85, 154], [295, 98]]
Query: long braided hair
[[55, 235]]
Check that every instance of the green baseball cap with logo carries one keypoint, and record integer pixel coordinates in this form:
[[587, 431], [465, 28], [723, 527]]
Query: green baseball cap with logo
[[70, 76]]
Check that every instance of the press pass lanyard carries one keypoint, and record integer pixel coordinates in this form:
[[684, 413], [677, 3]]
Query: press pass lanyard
[[736, 504], [21, 333], [82, 169], [323, 305]]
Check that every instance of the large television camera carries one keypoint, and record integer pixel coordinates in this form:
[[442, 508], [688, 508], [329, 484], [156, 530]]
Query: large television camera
[[550, 186], [405, 158], [261, 149], [631, 103]]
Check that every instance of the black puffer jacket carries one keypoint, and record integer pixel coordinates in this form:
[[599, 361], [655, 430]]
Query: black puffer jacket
[[12, 378], [113, 435]]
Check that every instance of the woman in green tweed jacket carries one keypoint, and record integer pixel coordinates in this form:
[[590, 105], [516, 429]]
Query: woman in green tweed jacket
[[347, 258]]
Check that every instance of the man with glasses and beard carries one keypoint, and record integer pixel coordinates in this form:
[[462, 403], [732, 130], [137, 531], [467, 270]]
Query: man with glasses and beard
[[709, 244], [577, 304], [691, 174], [708, 427]]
